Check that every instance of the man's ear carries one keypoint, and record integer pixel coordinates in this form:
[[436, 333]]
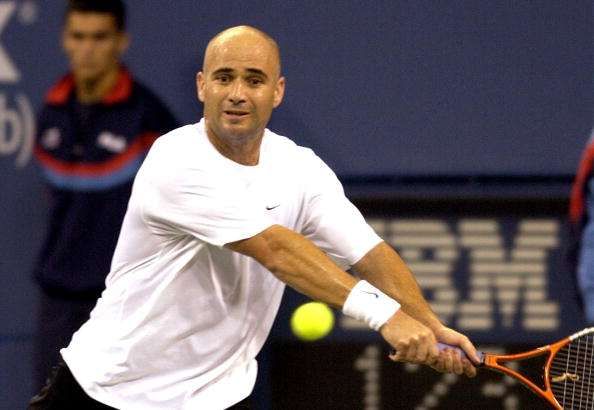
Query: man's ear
[[123, 43], [279, 92], [200, 85]]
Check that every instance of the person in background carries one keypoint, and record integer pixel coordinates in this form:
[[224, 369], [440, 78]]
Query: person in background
[[581, 237], [94, 131]]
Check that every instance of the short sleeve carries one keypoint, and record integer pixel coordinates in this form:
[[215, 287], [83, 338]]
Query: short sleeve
[[191, 200], [333, 223]]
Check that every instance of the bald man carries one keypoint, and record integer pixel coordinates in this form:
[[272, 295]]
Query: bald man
[[222, 215]]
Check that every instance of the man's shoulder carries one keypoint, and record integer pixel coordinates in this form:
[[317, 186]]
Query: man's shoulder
[[172, 150], [181, 146], [178, 137], [282, 144], [302, 159]]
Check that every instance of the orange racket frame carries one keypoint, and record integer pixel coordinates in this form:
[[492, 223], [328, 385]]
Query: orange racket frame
[[494, 361]]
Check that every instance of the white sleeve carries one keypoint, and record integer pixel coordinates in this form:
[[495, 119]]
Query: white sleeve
[[214, 208], [333, 223]]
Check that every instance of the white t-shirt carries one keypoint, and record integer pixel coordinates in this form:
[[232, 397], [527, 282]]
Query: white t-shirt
[[182, 317]]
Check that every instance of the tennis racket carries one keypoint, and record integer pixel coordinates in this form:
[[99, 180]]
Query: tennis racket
[[568, 375]]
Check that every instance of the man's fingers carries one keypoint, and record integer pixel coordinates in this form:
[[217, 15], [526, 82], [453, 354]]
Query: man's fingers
[[440, 364], [457, 362], [405, 352], [416, 352], [469, 369], [411, 352], [433, 352], [448, 361], [416, 343], [422, 353], [470, 351]]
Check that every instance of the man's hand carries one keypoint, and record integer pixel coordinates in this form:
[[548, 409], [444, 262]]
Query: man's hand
[[451, 360], [416, 343], [413, 341]]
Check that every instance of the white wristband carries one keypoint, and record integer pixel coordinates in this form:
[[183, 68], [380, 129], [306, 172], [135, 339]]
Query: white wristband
[[369, 304]]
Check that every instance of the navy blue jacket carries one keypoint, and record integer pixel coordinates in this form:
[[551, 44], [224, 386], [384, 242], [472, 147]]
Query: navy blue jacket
[[89, 156]]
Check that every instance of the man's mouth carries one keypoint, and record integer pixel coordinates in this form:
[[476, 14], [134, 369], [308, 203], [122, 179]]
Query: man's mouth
[[236, 113]]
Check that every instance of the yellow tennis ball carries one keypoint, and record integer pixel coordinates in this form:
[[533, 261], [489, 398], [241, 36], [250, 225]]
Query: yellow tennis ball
[[312, 321]]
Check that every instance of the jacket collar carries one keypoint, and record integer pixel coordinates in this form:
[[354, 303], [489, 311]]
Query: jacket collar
[[121, 91]]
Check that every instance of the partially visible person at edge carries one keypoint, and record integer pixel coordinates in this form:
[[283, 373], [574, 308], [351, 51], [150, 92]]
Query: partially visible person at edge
[[581, 237], [94, 131], [223, 214]]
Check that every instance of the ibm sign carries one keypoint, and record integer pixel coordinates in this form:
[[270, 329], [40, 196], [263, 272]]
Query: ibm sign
[[481, 274], [489, 269]]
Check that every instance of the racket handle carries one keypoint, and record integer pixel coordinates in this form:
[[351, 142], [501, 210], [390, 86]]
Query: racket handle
[[444, 346]]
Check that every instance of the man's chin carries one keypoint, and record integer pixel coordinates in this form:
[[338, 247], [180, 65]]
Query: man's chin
[[237, 132], [240, 126], [88, 74]]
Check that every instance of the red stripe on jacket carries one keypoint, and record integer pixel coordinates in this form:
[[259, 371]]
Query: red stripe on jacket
[[577, 201], [141, 144], [121, 90]]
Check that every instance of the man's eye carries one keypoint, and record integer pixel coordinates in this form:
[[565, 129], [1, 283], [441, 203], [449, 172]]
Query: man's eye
[[223, 78], [255, 81]]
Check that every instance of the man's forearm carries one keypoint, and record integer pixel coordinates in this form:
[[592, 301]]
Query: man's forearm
[[296, 261], [384, 268]]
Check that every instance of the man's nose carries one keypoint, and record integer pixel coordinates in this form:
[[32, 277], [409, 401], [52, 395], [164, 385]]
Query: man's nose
[[86, 47], [237, 92]]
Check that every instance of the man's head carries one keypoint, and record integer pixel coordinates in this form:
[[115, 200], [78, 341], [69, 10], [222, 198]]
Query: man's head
[[94, 38], [240, 83]]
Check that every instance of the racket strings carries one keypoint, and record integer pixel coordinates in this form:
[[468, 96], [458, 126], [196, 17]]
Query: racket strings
[[571, 376]]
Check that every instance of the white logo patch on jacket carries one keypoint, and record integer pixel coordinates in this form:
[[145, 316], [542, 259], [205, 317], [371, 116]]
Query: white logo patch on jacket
[[112, 142], [51, 138]]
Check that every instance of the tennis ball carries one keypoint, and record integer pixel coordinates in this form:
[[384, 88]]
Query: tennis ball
[[312, 321]]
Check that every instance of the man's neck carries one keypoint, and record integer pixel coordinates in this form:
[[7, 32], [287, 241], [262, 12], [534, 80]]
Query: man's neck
[[244, 151], [89, 91]]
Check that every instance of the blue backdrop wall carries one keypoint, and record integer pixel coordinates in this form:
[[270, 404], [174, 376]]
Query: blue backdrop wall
[[378, 89]]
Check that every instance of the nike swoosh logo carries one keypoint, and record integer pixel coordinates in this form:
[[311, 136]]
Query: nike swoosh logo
[[371, 293], [268, 208]]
